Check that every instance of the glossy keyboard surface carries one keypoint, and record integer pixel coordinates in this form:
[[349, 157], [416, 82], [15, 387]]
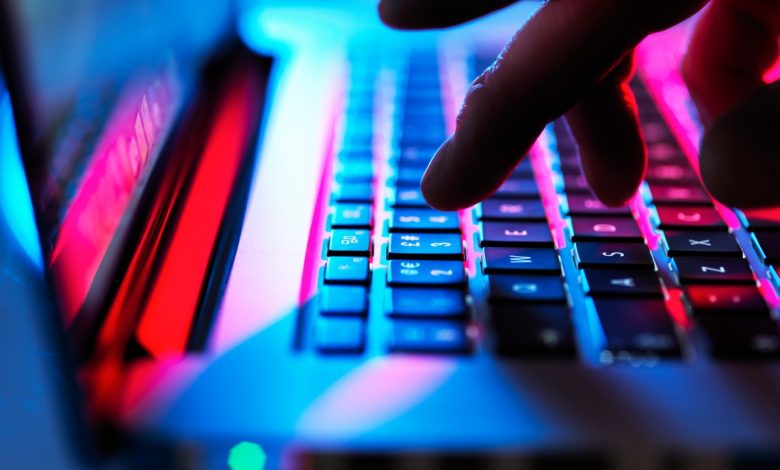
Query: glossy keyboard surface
[[541, 269]]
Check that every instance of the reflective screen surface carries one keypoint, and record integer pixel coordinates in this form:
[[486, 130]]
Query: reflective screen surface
[[97, 86]]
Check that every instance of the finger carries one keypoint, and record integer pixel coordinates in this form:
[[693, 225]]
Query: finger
[[740, 153], [734, 43], [422, 14], [606, 126], [558, 56]]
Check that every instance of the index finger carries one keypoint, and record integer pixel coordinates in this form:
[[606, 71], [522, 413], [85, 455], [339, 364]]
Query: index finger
[[560, 54]]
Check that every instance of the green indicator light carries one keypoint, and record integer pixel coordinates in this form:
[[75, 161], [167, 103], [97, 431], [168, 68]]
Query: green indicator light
[[246, 456]]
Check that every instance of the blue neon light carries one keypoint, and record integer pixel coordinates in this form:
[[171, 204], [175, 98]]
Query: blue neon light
[[15, 204]]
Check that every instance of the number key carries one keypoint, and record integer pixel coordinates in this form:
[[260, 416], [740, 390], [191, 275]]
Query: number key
[[425, 246]]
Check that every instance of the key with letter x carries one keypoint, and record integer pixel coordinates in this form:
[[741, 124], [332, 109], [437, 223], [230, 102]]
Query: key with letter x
[[701, 244]]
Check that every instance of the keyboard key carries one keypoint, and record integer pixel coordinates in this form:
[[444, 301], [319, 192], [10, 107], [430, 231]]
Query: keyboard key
[[438, 337], [354, 192], [637, 327], [340, 335], [425, 302], [429, 273], [350, 242], [737, 300], [346, 269], [343, 300], [606, 254], [689, 218], [673, 174], [409, 175], [621, 282], [701, 244], [409, 196], [351, 215], [416, 156], [512, 209], [515, 234], [425, 246], [424, 220], [533, 330], [679, 195], [355, 172], [521, 260], [713, 271], [665, 152], [576, 184], [603, 228], [579, 204], [768, 246], [514, 188], [749, 337], [526, 288]]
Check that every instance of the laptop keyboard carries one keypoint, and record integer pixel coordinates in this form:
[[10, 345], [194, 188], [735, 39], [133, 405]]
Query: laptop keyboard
[[539, 270]]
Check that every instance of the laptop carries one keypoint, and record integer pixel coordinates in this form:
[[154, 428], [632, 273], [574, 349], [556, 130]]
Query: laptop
[[231, 240]]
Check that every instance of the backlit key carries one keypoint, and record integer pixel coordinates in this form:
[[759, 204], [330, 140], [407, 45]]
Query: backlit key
[[694, 243], [424, 220], [605, 254], [514, 188], [346, 269], [713, 271], [670, 173], [533, 330], [425, 246], [521, 260], [425, 302], [355, 192], [579, 204], [512, 209], [689, 218], [340, 335], [350, 242], [526, 288], [343, 300], [605, 228], [351, 215], [409, 196], [737, 300], [515, 234], [636, 327], [679, 195], [749, 337], [621, 283], [424, 272], [434, 337]]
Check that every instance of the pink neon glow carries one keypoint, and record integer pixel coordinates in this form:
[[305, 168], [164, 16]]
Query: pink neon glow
[[539, 155], [773, 73], [453, 76], [312, 262], [120, 161]]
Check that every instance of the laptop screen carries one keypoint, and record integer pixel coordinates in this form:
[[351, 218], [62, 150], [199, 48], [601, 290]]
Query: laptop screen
[[97, 86]]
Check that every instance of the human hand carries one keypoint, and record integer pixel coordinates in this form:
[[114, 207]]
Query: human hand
[[575, 58]]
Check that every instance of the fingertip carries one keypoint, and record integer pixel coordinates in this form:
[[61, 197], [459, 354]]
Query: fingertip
[[615, 185], [437, 184]]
